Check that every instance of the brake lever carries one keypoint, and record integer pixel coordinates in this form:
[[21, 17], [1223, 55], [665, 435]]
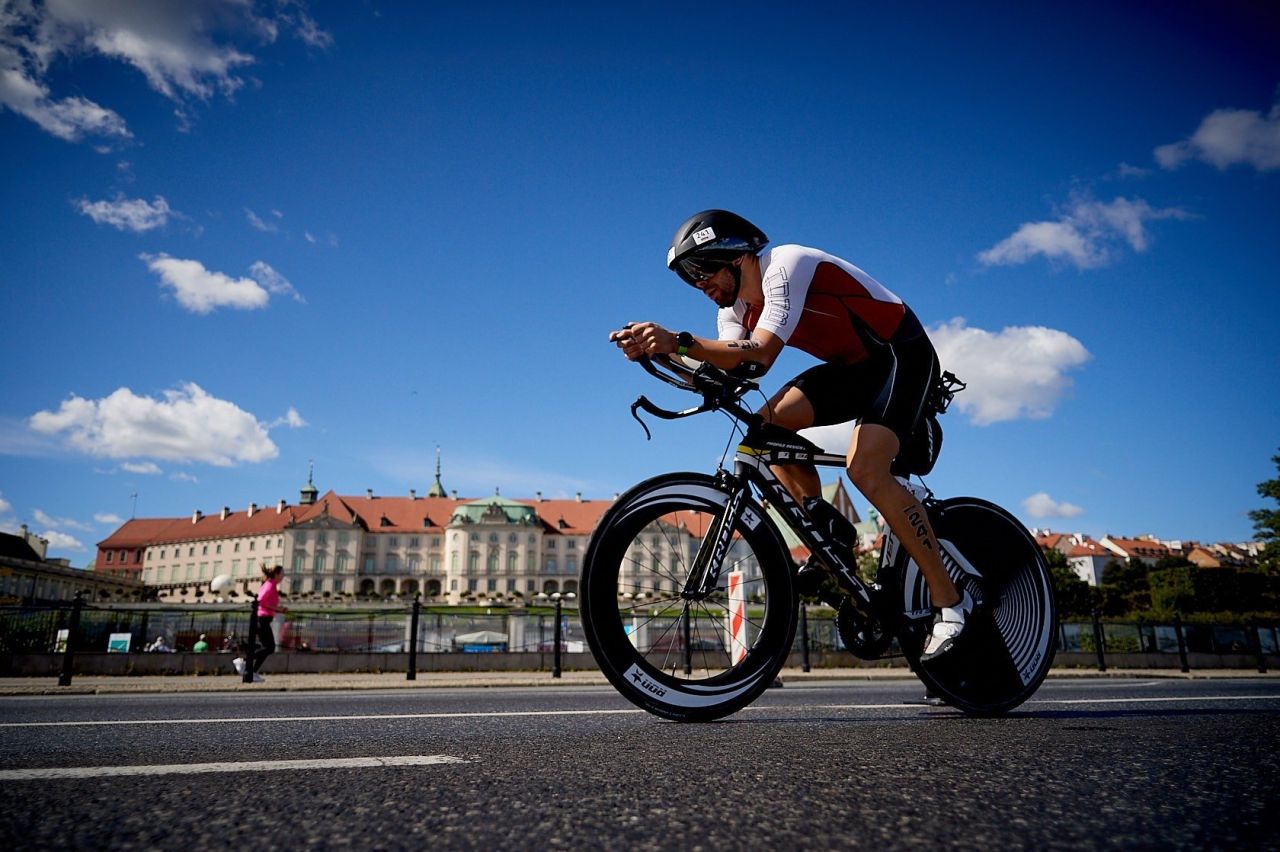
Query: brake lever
[[656, 411], [639, 403]]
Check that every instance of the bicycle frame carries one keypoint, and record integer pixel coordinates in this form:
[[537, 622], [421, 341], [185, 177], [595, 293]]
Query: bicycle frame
[[753, 465]]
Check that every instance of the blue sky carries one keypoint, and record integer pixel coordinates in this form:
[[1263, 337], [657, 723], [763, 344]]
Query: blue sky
[[242, 236]]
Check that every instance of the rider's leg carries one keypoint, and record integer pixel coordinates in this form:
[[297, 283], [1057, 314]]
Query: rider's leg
[[791, 409], [871, 451]]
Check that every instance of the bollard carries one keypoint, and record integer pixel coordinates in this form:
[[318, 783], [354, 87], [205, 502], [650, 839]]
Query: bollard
[[1098, 642], [413, 638], [1257, 647], [253, 641], [68, 653], [555, 665], [1182, 643], [804, 637]]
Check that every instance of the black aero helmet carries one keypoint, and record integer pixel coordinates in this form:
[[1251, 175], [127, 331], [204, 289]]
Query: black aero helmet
[[709, 240]]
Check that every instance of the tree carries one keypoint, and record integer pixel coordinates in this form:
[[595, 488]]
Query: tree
[[1266, 524], [1124, 587], [1073, 595]]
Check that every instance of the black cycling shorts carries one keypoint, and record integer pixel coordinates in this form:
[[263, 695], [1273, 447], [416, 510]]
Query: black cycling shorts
[[889, 389]]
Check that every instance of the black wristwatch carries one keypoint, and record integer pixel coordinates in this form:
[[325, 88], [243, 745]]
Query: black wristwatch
[[684, 340]]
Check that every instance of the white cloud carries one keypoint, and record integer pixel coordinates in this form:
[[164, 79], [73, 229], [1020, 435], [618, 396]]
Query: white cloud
[[1041, 505], [184, 50], [136, 214], [180, 476], [258, 223], [65, 523], [61, 541], [5, 506], [1017, 372], [108, 518], [309, 238], [1086, 234], [70, 118], [275, 283], [201, 290], [186, 425], [1014, 373], [144, 468], [1229, 137], [291, 418]]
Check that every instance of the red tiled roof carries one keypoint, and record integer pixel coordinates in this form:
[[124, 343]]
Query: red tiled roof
[[1140, 547], [385, 514]]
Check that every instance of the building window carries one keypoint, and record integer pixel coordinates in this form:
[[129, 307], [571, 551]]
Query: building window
[[110, 556], [342, 538], [551, 544], [511, 585], [473, 562], [435, 564], [511, 562], [491, 564], [491, 586], [472, 585], [342, 563], [252, 543], [236, 548], [393, 563], [435, 541], [571, 565], [321, 563], [321, 539], [393, 541], [572, 544], [218, 549], [299, 559], [415, 564], [533, 563], [551, 565], [368, 563], [413, 541]]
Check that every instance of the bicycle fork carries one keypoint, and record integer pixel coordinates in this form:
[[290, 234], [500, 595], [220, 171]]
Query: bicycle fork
[[708, 563]]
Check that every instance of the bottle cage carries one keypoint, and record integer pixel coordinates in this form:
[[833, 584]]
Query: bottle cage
[[943, 391]]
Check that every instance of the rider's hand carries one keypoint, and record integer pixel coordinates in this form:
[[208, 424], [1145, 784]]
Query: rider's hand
[[644, 339]]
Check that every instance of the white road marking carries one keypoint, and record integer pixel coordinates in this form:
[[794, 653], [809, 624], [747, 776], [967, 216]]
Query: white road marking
[[602, 712], [1205, 698], [360, 717], [244, 766]]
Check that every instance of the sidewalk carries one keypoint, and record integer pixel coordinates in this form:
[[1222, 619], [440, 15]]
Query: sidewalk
[[100, 685]]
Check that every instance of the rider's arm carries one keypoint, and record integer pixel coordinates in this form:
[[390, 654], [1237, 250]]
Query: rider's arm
[[642, 339], [761, 348]]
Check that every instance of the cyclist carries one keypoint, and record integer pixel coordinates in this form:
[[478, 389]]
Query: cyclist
[[878, 368]]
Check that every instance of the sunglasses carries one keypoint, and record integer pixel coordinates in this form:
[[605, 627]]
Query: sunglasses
[[695, 270]]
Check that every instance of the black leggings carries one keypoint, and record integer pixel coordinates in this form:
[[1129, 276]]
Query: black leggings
[[266, 643]]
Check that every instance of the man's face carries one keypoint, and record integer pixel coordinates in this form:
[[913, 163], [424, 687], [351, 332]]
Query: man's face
[[720, 288]]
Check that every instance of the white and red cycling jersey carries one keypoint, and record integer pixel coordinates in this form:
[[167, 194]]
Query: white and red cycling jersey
[[821, 304]]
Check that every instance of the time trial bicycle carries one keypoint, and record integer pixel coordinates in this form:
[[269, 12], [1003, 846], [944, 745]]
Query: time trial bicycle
[[689, 593]]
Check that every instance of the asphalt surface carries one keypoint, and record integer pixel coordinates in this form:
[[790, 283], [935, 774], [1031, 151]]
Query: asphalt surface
[[1086, 763]]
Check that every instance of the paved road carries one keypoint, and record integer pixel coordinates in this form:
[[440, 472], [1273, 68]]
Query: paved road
[[1087, 763]]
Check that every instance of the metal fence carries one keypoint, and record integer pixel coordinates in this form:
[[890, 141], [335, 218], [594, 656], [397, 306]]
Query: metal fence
[[133, 628]]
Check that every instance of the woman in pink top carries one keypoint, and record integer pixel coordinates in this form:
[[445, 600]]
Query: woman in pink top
[[268, 606]]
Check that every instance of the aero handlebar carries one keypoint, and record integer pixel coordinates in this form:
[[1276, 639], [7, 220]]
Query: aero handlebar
[[719, 390]]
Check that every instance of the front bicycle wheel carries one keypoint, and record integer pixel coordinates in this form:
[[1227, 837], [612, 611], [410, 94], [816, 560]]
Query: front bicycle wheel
[[679, 658], [1009, 640]]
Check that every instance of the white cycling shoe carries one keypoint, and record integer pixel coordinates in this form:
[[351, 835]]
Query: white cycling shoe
[[948, 625]]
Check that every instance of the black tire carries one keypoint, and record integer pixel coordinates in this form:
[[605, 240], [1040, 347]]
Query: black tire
[[636, 622], [1009, 640]]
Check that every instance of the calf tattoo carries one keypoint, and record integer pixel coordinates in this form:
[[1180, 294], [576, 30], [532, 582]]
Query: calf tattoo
[[916, 517]]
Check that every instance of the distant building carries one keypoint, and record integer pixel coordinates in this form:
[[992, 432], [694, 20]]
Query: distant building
[[27, 577]]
